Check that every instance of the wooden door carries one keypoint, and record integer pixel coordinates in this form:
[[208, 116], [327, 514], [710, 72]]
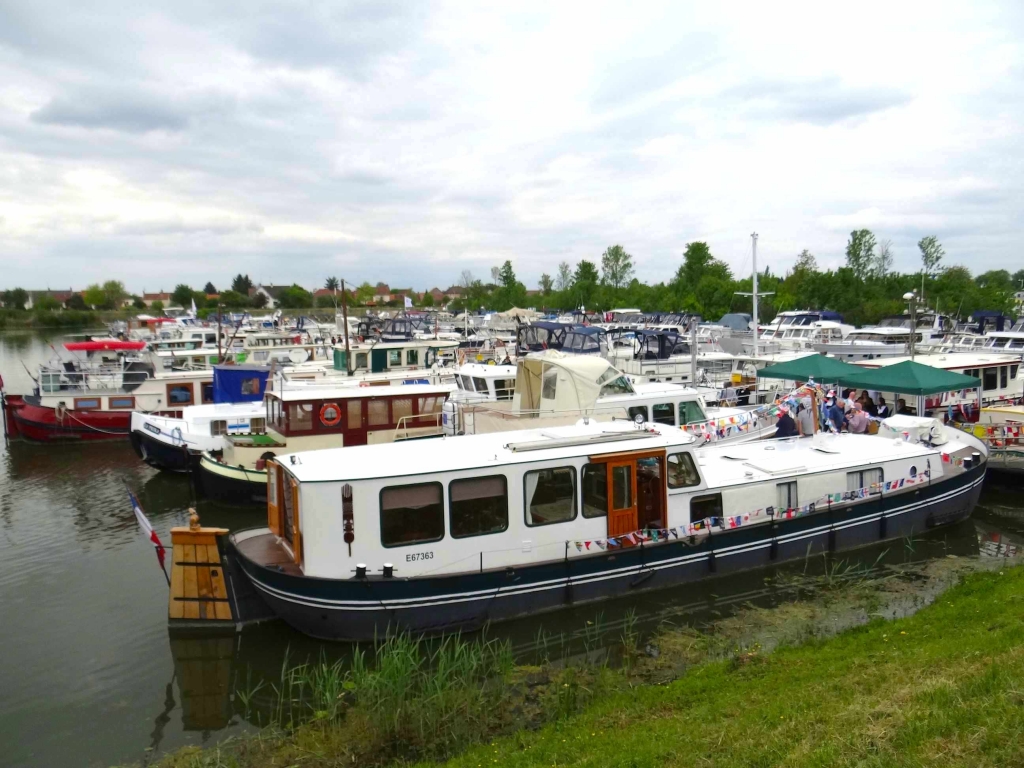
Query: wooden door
[[274, 497], [621, 497]]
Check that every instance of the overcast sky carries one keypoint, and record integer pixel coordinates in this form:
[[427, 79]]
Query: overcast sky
[[185, 141]]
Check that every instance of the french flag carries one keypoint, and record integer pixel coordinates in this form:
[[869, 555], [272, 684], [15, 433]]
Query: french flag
[[147, 527]]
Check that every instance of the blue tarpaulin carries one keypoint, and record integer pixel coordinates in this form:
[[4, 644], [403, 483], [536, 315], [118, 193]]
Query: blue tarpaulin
[[239, 383]]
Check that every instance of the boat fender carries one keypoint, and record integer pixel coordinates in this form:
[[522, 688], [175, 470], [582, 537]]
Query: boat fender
[[176, 436], [330, 414]]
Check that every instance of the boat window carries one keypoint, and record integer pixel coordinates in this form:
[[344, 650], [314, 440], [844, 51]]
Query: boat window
[[206, 391], [87, 403], [300, 417], [179, 394], [1013, 371], [1017, 344], [355, 414], [477, 506], [360, 359], [595, 490], [376, 413], [1002, 377], [251, 386], [480, 384], [663, 414], [637, 410], [505, 388], [218, 427], [401, 406], [550, 384], [257, 426], [121, 402], [682, 472], [550, 495], [786, 496], [622, 486], [411, 514], [863, 479], [690, 412], [412, 357], [705, 507], [990, 378], [394, 357]]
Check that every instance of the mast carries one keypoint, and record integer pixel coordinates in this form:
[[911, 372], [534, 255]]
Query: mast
[[344, 319], [753, 239]]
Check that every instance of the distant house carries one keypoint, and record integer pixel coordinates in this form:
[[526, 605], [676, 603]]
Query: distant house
[[455, 292], [437, 295], [272, 293], [381, 294], [163, 298], [60, 297]]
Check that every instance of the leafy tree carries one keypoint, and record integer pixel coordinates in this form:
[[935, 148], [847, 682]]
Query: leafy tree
[[805, 262], [182, 295], [696, 260], [241, 284], [201, 301], [295, 297], [931, 253], [45, 303], [860, 252], [138, 303], [466, 279], [883, 261], [564, 277], [77, 302], [157, 306], [332, 284], [234, 300], [325, 301], [428, 299], [584, 283], [545, 284], [1018, 279], [115, 294], [364, 293], [15, 298], [95, 297], [258, 301], [209, 288], [616, 267]]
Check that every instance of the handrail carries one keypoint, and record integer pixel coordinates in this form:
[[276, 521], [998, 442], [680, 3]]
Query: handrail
[[404, 422]]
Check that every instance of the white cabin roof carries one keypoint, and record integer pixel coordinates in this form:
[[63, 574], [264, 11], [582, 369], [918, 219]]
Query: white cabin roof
[[766, 459], [353, 389], [950, 362], [496, 449]]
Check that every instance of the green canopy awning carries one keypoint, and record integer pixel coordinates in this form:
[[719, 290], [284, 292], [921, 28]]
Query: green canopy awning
[[910, 378], [818, 367]]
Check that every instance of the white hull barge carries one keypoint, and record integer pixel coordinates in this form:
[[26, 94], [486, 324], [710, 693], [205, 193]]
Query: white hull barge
[[492, 527]]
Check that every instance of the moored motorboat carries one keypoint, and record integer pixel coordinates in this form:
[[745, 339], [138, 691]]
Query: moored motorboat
[[175, 443], [490, 527]]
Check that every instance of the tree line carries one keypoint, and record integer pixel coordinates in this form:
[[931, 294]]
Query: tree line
[[863, 291]]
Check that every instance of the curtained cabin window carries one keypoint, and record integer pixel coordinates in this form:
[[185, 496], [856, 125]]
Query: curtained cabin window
[[550, 495], [411, 514], [704, 507], [478, 506], [682, 472], [595, 490]]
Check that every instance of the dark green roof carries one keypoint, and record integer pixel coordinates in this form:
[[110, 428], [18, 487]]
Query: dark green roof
[[818, 367], [910, 378]]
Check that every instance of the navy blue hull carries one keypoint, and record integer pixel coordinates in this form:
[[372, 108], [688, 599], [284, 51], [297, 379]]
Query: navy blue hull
[[353, 609], [161, 455]]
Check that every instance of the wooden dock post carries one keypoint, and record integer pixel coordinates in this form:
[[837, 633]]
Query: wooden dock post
[[199, 591]]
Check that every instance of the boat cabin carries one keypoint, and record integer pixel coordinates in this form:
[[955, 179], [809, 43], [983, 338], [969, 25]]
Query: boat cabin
[[540, 335], [388, 356]]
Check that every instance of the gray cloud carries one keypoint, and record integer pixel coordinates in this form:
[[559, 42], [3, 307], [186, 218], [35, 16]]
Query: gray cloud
[[113, 110], [821, 102]]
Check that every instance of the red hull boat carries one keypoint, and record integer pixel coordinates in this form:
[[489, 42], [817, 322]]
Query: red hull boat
[[28, 419]]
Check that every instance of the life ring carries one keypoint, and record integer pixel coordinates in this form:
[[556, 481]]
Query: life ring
[[330, 421]]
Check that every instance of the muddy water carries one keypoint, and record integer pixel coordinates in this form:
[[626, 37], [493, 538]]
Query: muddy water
[[89, 675]]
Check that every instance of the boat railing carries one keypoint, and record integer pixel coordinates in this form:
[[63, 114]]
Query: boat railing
[[55, 380], [431, 426], [1005, 442]]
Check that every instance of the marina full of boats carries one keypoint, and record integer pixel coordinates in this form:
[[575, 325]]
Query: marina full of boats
[[434, 472]]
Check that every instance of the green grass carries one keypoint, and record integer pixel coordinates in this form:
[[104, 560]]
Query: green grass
[[944, 687]]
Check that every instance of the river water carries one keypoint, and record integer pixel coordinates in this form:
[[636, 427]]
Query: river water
[[90, 676]]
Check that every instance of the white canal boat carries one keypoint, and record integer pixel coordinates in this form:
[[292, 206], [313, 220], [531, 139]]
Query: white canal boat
[[483, 528]]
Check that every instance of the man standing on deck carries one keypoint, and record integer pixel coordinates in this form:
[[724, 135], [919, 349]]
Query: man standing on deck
[[834, 414], [785, 426], [805, 418]]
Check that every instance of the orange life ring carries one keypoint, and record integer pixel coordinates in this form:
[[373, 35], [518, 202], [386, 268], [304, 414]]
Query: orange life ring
[[335, 420]]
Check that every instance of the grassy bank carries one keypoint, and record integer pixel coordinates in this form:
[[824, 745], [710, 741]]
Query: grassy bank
[[780, 686], [11, 319]]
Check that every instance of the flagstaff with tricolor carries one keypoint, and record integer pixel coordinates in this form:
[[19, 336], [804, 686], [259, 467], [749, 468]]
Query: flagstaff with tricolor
[[147, 529]]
